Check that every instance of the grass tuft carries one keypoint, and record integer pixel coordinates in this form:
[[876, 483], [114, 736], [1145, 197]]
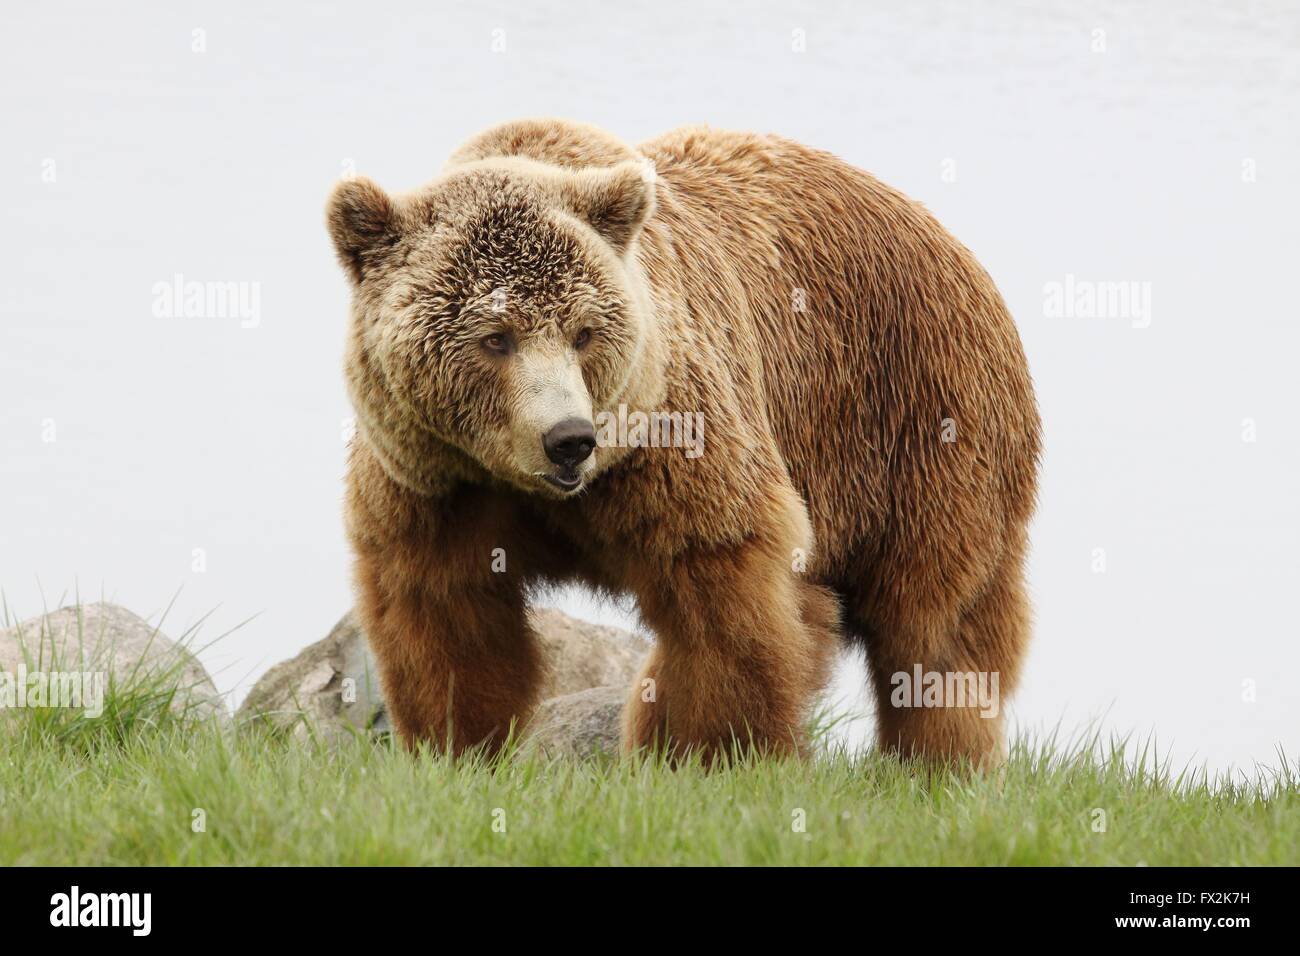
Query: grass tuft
[[147, 698]]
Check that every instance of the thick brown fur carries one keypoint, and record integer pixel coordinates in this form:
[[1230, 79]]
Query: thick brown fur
[[871, 435]]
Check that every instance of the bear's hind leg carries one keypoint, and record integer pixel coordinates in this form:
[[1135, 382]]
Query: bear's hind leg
[[940, 687]]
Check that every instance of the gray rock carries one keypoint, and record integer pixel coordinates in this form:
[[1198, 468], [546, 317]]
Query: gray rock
[[127, 649], [580, 655], [579, 725], [332, 686]]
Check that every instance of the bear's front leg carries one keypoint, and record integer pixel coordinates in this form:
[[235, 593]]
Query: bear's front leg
[[443, 608], [744, 644]]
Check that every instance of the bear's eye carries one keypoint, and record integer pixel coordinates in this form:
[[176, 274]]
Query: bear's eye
[[583, 338], [498, 342]]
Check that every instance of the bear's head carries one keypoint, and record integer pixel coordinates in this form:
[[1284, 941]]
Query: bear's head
[[496, 311]]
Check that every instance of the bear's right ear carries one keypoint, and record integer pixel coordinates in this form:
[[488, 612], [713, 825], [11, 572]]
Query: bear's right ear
[[362, 222]]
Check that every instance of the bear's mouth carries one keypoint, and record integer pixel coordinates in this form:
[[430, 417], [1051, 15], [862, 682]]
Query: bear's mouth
[[567, 480]]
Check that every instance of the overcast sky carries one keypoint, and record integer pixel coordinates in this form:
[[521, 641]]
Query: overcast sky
[[146, 451]]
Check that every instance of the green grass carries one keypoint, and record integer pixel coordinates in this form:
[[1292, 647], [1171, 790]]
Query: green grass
[[126, 791], [132, 787]]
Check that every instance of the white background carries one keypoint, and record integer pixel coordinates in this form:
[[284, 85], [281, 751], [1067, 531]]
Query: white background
[[1124, 164]]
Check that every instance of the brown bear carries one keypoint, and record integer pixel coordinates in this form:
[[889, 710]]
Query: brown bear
[[863, 467]]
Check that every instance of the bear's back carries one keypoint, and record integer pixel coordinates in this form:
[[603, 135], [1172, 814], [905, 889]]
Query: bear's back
[[561, 143], [873, 325]]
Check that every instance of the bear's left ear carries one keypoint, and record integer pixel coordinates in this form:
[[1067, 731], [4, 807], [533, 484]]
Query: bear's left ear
[[362, 222], [616, 201]]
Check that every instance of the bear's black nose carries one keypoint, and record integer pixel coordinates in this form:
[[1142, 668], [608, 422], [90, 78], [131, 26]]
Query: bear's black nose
[[570, 442]]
